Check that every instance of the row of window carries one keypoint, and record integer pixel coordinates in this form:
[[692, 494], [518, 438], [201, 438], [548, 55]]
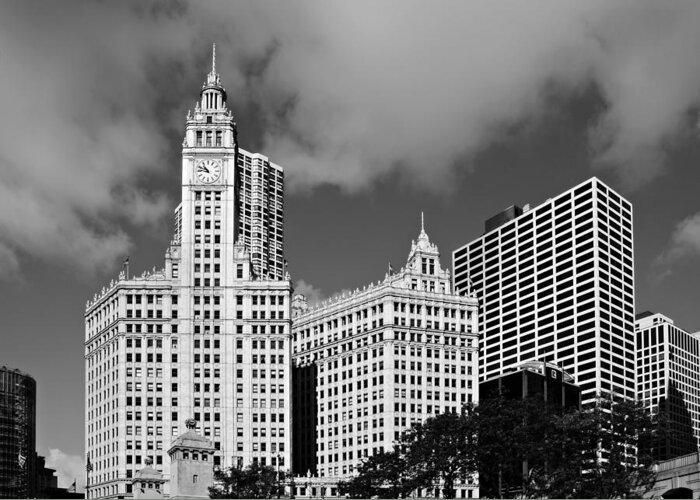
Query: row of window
[[209, 138]]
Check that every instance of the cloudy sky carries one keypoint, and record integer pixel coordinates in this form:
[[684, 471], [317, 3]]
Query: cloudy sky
[[377, 111]]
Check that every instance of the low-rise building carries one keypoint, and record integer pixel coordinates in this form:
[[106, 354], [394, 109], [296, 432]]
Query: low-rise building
[[536, 379]]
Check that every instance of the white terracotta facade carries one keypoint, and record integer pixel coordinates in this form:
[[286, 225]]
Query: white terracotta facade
[[370, 363], [206, 336]]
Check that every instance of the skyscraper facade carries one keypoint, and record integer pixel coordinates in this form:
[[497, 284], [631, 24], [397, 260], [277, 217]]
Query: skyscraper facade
[[556, 283], [208, 335], [372, 362], [668, 381], [261, 212], [17, 434]]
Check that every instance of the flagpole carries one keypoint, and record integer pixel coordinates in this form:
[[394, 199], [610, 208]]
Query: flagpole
[[88, 468], [126, 266]]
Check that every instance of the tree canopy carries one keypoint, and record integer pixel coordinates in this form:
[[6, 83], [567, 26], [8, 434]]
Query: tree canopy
[[254, 481], [603, 451], [435, 453], [384, 475], [522, 448]]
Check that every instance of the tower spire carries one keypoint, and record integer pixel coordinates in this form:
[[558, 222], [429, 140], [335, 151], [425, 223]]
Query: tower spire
[[423, 236], [213, 95], [213, 76]]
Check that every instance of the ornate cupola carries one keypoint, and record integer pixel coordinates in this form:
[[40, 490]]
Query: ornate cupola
[[148, 482], [213, 94], [423, 270], [422, 247], [212, 124]]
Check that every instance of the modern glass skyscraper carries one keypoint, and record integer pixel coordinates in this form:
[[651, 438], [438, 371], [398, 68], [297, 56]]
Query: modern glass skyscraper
[[17, 434], [556, 283], [208, 335]]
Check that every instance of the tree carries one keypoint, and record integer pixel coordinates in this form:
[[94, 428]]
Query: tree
[[602, 451], [255, 481], [530, 448], [439, 451], [521, 447], [511, 435], [675, 436], [442, 450], [385, 474]]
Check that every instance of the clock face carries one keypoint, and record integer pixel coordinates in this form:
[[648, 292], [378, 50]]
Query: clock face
[[208, 171]]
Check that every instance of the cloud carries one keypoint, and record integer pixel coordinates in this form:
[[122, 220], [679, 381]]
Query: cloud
[[9, 264], [79, 131], [68, 468], [684, 243], [651, 82], [314, 296], [93, 93], [356, 92]]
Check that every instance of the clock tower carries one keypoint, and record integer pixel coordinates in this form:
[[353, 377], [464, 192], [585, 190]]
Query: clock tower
[[210, 137], [208, 334], [209, 153]]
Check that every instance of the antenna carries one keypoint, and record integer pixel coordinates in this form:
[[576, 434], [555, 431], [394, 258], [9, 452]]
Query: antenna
[[213, 58]]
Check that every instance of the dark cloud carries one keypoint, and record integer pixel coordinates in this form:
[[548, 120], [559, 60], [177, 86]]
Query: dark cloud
[[684, 243], [346, 93]]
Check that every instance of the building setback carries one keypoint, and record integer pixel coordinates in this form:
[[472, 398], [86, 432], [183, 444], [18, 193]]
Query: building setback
[[556, 283], [668, 364], [370, 363], [206, 336]]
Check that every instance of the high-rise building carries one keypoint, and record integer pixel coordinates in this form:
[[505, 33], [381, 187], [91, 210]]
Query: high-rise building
[[370, 363], [261, 212], [668, 381], [17, 434], [206, 336], [556, 283]]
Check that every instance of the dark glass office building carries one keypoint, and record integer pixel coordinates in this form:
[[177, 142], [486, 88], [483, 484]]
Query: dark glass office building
[[536, 379], [544, 382], [17, 433]]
